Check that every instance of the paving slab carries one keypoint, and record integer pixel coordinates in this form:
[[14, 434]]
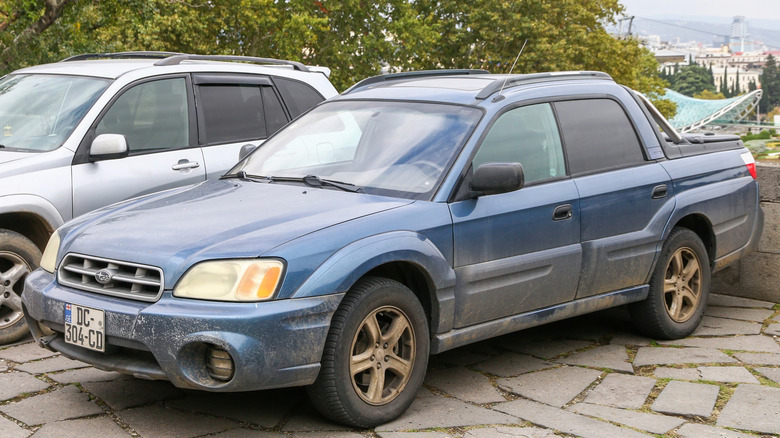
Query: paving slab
[[627, 338], [86, 375], [677, 373], [261, 408], [770, 373], [685, 398], [512, 364], [613, 357], [753, 343], [752, 407], [14, 384], [666, 356], [99, 427], [757, 315], [128, 393], [759, 358], [9, 429], [728, 375], [509, 432], [772, 329], [160, 422], [564, 421], [328, 434], [61, 404], [458, 357], [730, 301], [414, 435], [305, 418], [654, 423], [548, 348], [555, 387], [58, 363], [430, 411], [250, 433], [621, 391], [465, 385], [712, 326], [693, 430], [25, 353]]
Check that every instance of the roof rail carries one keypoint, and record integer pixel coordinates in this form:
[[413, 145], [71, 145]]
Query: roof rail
[[514, 80], [177, 58], [413, 75], [122, 55]]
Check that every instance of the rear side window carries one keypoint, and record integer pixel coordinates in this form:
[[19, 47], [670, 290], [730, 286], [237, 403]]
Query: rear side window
[[598, 135], [231, 113], [298, 96]]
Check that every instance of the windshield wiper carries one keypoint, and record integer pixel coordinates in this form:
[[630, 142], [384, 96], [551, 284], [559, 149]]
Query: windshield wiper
[[315, 181], [243, 176]]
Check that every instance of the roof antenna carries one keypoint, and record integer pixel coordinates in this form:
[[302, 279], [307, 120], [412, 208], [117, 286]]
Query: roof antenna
[[499, 97]]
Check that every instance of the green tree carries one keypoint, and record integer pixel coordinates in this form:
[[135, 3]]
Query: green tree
[[770, 83], [709, 95], [692, 79]]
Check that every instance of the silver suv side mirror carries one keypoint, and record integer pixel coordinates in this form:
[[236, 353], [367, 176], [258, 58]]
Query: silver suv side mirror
[[108, 146]]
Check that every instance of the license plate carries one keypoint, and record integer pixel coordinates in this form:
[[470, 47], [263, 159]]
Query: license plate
[[85, 327]]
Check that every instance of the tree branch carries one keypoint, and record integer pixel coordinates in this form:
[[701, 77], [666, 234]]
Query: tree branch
[[9, 20], [52, 11]]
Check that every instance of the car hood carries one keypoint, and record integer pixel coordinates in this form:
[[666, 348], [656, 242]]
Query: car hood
[[213, 220], [7, 156]]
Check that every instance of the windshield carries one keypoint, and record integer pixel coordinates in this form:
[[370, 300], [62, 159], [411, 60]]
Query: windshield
[[392, 148], [38, 112]]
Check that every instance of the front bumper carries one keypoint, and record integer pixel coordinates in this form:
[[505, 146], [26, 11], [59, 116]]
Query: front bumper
[[272, 344]]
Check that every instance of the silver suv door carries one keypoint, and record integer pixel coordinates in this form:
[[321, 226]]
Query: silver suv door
[[155, 117]]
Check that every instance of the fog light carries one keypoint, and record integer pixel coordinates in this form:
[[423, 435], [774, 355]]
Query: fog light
[[219, 363]]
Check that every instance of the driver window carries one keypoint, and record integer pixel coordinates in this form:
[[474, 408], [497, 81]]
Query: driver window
[[151, 116], [527, 135]]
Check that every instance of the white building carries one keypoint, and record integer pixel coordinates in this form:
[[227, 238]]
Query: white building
[[734, 74]]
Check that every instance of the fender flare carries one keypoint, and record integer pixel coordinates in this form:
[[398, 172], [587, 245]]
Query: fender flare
[[32, 204], [345, 267]]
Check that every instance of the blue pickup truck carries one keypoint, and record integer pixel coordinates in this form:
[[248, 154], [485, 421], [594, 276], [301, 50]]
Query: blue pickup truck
[[413, 214]]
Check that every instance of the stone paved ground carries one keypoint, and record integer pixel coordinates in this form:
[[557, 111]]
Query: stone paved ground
[[592, 376]]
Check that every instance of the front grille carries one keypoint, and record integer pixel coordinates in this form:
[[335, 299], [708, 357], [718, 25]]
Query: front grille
[[111, 277]]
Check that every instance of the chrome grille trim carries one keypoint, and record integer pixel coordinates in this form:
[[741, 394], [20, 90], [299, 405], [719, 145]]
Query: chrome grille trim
[[128, 280]]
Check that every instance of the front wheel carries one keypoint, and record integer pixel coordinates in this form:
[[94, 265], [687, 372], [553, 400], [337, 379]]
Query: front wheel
[[679, 289], [18, 257], [375, 355]]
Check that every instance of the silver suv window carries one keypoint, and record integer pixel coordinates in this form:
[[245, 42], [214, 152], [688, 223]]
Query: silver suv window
[[39, 112]]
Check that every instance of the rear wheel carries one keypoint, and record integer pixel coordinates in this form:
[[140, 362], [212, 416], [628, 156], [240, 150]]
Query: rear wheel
[[18, 257], [679, 288], [375, 355]]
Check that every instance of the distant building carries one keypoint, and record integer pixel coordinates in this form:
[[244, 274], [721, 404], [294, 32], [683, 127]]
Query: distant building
[[734, 74]]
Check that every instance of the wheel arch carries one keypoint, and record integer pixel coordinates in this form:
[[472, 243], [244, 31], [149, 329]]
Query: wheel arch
[[29, 225], [699, 224]]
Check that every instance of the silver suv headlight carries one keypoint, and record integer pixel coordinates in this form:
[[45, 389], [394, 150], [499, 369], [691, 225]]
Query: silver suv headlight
[[231, 280]]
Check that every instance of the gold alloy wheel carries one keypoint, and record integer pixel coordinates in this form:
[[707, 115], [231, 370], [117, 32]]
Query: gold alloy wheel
[[383, 354], [682, 285]]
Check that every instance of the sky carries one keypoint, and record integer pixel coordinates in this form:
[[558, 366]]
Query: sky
[[756, 9]]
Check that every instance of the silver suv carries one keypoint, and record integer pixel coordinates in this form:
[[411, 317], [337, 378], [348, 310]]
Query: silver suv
[[101, 128]]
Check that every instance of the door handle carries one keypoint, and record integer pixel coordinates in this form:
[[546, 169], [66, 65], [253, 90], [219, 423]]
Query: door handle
[[660, 191], [185, 164], [562, 212]]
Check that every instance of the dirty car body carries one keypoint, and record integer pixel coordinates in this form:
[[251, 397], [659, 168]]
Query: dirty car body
[[412, 214]]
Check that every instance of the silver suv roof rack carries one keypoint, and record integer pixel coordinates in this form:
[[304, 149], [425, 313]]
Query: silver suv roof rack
[[506, 82], [122, 55], [413, 75], [176, 59]]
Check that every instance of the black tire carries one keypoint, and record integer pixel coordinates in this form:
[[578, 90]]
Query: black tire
[[679, 289], [18, 257], [344, 394]]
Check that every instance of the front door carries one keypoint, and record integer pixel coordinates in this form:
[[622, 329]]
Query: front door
[[518, 251]]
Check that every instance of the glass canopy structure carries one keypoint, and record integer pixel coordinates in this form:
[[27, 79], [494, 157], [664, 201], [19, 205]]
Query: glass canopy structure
[[695, 113]]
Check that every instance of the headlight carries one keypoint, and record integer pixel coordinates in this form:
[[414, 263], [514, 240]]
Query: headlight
[[49, 259], [231, 280]]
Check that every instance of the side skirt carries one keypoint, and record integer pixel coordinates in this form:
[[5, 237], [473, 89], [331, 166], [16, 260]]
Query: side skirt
[[478, 332]]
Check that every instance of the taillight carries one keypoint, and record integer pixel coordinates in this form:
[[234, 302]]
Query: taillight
[[750, 163]]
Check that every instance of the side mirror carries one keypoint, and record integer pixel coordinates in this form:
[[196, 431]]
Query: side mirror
[[107, 147], [246, 150], [494, 178]]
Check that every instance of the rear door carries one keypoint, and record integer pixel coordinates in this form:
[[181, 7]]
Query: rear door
[[238, 109], [156, 118], [625, 199], [518, 251]]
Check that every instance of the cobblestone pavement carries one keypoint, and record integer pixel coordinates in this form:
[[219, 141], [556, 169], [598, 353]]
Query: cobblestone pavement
[[591, 376]]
